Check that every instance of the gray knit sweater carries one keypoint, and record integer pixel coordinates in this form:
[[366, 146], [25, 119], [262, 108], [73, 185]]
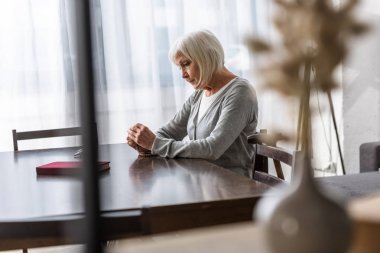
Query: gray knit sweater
[[220, 136]]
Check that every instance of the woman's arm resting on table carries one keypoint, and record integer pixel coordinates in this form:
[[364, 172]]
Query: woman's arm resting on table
[[239, 110], [176, 128]]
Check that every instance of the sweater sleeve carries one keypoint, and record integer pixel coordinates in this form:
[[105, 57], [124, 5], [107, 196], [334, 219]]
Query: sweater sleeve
[[239, 108], [176, 128]]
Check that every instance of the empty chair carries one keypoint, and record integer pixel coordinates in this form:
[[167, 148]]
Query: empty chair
[[49, 133]]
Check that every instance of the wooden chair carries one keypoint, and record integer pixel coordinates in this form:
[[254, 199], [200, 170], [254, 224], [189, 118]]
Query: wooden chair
[[369, 155], [27, 135], [265, 151], [60, 132]]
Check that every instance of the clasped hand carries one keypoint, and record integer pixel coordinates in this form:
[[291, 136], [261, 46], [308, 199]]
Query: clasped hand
[[140, 138]]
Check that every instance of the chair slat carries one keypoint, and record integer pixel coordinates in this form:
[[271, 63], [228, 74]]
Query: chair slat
[[263, 153], [49, 133], [279, 171], [275, 153], [267, 178]]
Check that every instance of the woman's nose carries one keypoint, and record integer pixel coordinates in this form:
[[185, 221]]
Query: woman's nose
[[184, 74]]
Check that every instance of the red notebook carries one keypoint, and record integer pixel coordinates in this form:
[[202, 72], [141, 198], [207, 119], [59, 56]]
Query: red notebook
[[67, 168]]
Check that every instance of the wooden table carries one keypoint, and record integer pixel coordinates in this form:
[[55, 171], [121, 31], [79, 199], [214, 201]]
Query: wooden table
[[360, 192], [172, 193], [351, 186], [239, 237]]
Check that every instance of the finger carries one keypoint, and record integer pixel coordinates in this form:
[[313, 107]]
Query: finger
[[131, 142], [133, 145], [136, 140], [133, 130], [140, 126], [132, 134], [135, 126]]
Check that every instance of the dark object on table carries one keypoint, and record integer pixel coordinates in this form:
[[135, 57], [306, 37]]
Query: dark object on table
[[67, 167]]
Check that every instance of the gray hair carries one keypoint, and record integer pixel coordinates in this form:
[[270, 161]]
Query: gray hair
[[203, 48]]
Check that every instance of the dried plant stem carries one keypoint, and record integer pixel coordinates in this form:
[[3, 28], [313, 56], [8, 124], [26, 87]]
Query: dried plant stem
[[304, 120]]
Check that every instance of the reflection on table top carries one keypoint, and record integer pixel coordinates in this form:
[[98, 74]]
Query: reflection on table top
[[131, 183], [250, 237]]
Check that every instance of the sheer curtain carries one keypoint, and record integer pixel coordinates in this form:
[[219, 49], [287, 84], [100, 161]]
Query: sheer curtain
[[135, 80], [142, 84], [36, 91]]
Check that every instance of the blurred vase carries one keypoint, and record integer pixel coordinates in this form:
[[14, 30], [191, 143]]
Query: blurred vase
[[306, 221]]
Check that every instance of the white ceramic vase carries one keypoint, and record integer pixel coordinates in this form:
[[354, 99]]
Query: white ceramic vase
[[306, 221]]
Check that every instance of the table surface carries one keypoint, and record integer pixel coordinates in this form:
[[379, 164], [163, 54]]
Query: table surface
[[245, 237], [250, 237], [131, 183], [352, 186], [134, 183]]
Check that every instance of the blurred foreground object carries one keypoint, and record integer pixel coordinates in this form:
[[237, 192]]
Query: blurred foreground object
[[314, 36], [365, 212]]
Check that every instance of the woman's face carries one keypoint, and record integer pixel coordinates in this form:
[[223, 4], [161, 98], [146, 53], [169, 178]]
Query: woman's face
[[189, 69]]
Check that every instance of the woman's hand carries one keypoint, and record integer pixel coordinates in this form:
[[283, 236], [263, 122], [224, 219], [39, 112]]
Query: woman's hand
[[142, 136], [142, 151]]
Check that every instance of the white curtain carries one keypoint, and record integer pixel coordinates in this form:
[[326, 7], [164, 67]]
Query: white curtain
[[142, 84], [135, 80], [35, 93]]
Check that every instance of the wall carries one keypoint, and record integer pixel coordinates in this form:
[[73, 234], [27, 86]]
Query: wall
[[361, 82]]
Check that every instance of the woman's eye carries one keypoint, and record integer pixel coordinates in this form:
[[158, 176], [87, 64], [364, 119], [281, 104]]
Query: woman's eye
[[184, 65]]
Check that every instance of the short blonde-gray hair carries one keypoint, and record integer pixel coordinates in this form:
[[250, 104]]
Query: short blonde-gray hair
[[203, 48]]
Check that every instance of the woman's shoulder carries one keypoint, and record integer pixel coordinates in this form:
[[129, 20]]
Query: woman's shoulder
[[242, 82], [242, 86]]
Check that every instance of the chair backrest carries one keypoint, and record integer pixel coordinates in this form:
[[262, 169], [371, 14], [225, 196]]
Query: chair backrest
[[369, 155], [265, 151], [49, 133]]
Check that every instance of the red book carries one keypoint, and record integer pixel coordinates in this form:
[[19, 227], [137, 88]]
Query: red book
[[67, 168]]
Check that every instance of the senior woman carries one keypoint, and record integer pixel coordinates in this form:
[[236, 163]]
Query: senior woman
[[217, 117]]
